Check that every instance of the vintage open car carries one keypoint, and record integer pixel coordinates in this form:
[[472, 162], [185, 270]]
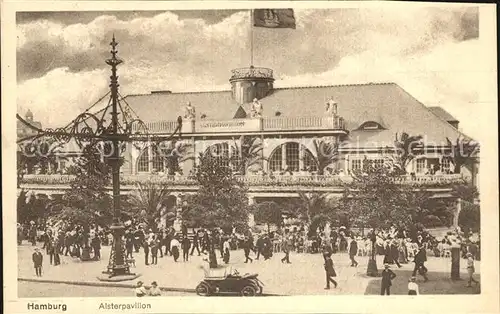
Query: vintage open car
[[230, 282]]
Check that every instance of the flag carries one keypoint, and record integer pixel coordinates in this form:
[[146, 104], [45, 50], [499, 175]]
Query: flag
[[274, 18]]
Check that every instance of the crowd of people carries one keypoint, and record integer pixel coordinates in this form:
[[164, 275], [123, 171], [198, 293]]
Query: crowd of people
[[397, 246]]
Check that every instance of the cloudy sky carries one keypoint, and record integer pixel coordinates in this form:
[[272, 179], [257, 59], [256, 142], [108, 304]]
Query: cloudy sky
[[431, 52]]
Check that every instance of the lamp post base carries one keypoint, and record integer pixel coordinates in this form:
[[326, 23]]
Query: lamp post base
[[118, 267], [372, 270]]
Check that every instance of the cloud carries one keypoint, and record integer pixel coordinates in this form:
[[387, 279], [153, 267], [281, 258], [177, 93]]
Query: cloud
[[426, 51]]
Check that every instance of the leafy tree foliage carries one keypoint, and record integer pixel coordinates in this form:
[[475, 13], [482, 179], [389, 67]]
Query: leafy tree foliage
[[221, 200], [148, 204], [268, 213], [248, 153], [327, 153], [87, 200], [462, 152], [174, 153], [376, 200], [406, 148]]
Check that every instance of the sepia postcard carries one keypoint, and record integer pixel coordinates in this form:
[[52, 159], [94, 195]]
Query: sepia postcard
[[249, 157]]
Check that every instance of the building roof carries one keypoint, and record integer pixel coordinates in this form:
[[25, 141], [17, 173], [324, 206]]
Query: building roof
[[443, 114], [385, 103]]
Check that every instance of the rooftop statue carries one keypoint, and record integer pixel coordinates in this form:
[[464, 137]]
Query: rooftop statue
[[331, 107], [257, 108], [189, 111]]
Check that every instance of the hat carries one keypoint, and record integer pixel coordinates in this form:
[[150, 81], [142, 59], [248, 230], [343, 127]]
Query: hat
[[468, 254], [413, 278], [139, 283], [386, 265], [154, 283]]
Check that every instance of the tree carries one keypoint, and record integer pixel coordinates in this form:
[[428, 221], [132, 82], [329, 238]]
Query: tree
[[87, 201], [221, 200], [248, 153], [326, 152], [314, 210], [469, 218], [268, 213], [376, 200], [406, 148], [463, 152], [148, 202]]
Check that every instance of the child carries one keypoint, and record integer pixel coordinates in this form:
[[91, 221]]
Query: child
[[37, 262], [154, 291], [470, 269], [140, 290], [412, 286]]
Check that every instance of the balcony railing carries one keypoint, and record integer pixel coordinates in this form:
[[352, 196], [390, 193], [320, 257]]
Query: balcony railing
[[251, 72], [250, 180], [251, 125]]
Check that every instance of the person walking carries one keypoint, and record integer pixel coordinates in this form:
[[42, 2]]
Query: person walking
[[96, 246], [419, 260], [247, 246], [286, 249], [196, 244], [387, 276], [470, 270], [353, 251], [174, 248], [145, 245], [226, 248], [129, 244], [259, 245], [329, 270], [186, 245], [55, 251], [413, 286], [395, 253], [37, 258], [155, 243]]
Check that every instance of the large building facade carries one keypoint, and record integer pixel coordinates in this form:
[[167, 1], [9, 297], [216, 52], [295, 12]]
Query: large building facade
[[364, 120]]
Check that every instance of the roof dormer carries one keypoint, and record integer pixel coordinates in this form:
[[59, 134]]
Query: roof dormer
[[370, 126]]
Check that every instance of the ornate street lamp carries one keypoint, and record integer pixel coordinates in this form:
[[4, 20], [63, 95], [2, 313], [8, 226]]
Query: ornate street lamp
[[91, 129]]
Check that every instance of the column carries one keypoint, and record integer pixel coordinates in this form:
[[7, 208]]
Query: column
[[346, 164], [283, 156], [251, 219], [301, 154]]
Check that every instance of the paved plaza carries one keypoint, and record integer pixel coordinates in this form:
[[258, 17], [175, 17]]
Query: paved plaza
[[305, 276]]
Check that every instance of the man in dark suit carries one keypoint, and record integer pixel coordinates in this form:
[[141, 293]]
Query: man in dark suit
[[196, 244], [419, 260], [329, 270], [37, 258], [387, 276], [353, 250]]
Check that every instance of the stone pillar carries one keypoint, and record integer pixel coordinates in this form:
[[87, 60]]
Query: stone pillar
[[346, 164], [455, 262], [457, 213], [178, 214], [251, 219]]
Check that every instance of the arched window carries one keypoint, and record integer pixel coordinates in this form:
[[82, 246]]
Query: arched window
[[143, 161], [224, 154], [288, 156], [150, 160]]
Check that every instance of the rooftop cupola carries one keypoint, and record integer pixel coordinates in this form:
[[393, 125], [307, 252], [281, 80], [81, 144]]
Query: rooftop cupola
[[249, 83], [29, 115]]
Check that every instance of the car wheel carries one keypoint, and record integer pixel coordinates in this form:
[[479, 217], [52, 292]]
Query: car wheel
[[248, 291], [203, 289]]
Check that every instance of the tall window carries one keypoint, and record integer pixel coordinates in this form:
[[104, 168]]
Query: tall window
[[143, 162], [445, 164], [275, 162], [220, 152], [378, 163], [309, 161], [356, 164], [421, 165], [292, 156], [158, 162], [288, 154]]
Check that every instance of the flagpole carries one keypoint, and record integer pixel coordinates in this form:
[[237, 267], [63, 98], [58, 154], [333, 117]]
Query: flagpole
[[251, 37]]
